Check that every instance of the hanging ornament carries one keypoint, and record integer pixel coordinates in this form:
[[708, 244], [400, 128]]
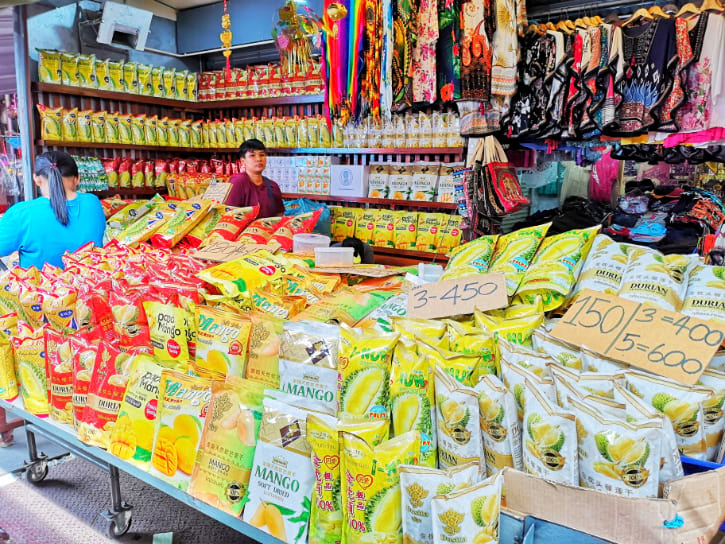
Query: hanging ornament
[[226, 39]]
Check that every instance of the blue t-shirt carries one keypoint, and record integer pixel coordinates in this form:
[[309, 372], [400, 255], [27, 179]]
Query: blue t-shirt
[[32, 229]]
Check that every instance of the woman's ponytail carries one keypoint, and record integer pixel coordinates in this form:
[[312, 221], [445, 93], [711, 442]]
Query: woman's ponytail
[[54, 166]]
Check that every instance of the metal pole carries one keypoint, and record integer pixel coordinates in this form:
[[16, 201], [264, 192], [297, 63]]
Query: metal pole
[[22, 83]]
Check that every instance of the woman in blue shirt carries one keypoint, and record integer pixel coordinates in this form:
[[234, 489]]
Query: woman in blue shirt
[[60, 220]]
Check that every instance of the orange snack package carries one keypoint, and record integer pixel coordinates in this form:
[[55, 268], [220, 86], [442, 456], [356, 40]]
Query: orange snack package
[[261, 230], [84, 358], [232, 223], [302, 223]]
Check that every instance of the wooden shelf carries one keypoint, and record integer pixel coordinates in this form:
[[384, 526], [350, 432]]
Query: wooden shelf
[[379, 201], [369, 150], [92, 145], [185, 105], [405, 257]]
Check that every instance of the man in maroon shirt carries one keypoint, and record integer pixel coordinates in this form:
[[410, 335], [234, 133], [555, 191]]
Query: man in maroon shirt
[[251, 188]]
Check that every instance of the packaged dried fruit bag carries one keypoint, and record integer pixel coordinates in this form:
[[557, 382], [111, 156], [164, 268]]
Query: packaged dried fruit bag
[[264, 342], [457, 422], [617, 456], [260, 231], [419, 485], [561, 352], [705, 295], [105, 392], [713, 411], [224, 462], [592, 383], [31, 303], [500, 428], [59, 309], [514, 377], [555, 268], [132, 436], [371, 488], [682, 404], [470, 516], [282, 476], [129, 317], [458, 366], [657, 279], [364, 372], [70, 125], [51, 122], [413, 399], [310, 343], [9, 324], [168, 330], [142, 229], [184, 403], [8, 380], [604, 267], [232, 223], [69, 69], [29, 349], [514, 253], [310, 382], [85, 352], [222, 340], [85, 126], [59, 356], [473, 341], [187, 216], [549, 438], [49, 66], [302, 223]]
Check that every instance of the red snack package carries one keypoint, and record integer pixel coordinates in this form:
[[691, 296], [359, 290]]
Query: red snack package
[[261, 230], [217, 166], [59, 364], [275, 80], [230, 84], [174, 166], [242, 83], [298, 224], [129, 318], [234, 222], [111, 168], [137, 174], [149, 174], [203, 87], [84, 358], [161, 172]]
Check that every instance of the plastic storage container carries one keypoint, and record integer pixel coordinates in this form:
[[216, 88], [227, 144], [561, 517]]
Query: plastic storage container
[[333, 256], [305, 244]]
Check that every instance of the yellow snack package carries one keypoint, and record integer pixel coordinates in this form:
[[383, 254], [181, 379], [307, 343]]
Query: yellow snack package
[[449, 236], [151, 132], [384, 233], [191, 84], [138, 129], [85, 126], [8, 381], [412, 399], [365, 226], [98, 126], [406, 230], [224, 463], [87, 72], [172, 128], [371, 490], [517, 330], [185, 133], [555, 267], [125, 124], [132, 437], [413, 329], [346, 223], [180, 85], [9, 324], [69, 69], [187, 216], [247, 273], [657, 279], [113, 130], [168, 83], [115, 76], [142, 229], [143, 75], [70, 125], [471, 258], [457, 422], [222, 340], [427, 237], [59, 309], [326, 508], [130, 77], [157, 83], [459, 366], [51, 122], [364, 372], [514, 252], [474, 342], [49, 66], [290, 129], [197, 134], [102, 75], [183, 406], [264, 342], [29, 348], [168, 329], [162, 131]]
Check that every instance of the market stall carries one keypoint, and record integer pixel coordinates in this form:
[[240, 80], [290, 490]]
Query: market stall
[[543, 318]]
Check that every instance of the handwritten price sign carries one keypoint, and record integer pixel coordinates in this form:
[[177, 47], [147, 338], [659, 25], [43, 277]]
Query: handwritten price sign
[[664, 343], [458, 296], [217, 192], [223, 251]]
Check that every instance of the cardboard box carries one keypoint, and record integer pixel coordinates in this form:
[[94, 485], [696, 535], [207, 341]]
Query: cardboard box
[[699, 499], [349, 180]]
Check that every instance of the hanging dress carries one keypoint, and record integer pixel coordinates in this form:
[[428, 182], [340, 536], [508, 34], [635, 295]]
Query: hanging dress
[[424, 54], [448, 61]]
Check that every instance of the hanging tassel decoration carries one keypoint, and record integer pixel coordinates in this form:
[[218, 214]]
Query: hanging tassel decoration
[[226, 39]]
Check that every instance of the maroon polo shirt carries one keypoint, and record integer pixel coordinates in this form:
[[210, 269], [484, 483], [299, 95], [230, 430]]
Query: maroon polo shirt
[[246, 193]]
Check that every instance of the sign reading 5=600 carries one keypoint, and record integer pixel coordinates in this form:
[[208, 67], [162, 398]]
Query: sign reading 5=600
[[665, 343]]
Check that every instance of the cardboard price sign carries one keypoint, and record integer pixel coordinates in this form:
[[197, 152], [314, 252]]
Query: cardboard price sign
[[223, 251], [665, 343], [217, 192], [364, 270], [458, 296]]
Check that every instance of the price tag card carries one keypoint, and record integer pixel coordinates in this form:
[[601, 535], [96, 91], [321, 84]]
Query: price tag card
[[217, 192], [665, 343], [362, 270], [458, 296], [223, 251]]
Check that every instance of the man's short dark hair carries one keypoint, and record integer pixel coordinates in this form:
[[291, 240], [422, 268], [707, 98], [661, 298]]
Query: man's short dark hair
[[251, 145]]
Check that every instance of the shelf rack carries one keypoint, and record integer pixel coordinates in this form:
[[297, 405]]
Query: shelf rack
[[64, 435], [385, 202]]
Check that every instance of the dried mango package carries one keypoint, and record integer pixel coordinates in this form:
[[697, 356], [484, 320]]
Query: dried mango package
[[29, 348], [346, 223], [514, 253], [282, 475], [470, 516], [500, 426], [705, 295], [364, 372], [449, 234], [457, 416], [604, 267], [382, 317], [183, 406], [105, 393], [59, 366], [222, 340], [617, 456], [406, 230], [657, 279], [384, 233], [713, 411], [132, 437], [134, 211], [682, 404], [418, 486], [8, 380], [346, 306], [549, 438], [264, 344], [204, 228], [315, 344], [224, 462], [310, 382], [365, 226], [555, 268], [187, 216], [428, 226], [168, 330], [514, 376], [371, 490], [412, 400]]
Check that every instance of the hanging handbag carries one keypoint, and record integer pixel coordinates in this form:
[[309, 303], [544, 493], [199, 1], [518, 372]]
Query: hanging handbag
[[502, 177]]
